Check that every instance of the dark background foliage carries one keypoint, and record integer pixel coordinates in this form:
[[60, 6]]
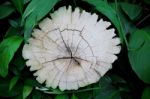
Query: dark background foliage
[[127, 79]]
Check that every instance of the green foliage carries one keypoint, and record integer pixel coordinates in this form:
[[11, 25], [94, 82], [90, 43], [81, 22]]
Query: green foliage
[[74, 96], [130, 10], [4, 88], [19, 5], [13, 23], [129, 17], [13, 81], [139, 43], [31, 82], [34, 12], [147, 1], [107, 90], [146, 93], [26, 91], [63, 96], [36, 95], [108, 93], [5, 11], [19, 62], [126, 25], [11, 32], [8, 47], [84, 95]]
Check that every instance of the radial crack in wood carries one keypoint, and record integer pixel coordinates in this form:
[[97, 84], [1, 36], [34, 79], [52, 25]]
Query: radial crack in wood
[[71, 50]]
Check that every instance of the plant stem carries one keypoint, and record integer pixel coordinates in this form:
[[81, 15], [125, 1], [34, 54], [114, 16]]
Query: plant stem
[[143, 19], [78, 91]]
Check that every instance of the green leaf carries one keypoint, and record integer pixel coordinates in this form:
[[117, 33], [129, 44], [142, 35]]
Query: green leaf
[[108, 92], [84, 95], [127, 25], [139, 43], [74, 96], [11, 32], [14, 70], [5, 11], [13, 81], [147, 29], [39, 7], [64, 96], [110, 13], [117, 79], [147, 1], [26, 1], [13, 23], [18, 4], [18, 97], [29, 24], [36, 95], [4, 88], [26, 91], [31, 82], [46, 96], [8, 47], [34, 12], [146, 93], [105, 81], [130, 10], [19, 62]]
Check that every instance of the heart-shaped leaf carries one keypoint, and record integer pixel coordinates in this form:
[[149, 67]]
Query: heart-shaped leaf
[[139, 44]]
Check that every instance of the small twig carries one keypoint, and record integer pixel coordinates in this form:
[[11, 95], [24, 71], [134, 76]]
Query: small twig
[[143, 20], [82, 90]]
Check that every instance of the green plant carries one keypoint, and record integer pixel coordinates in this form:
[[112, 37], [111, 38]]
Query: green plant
[[129, 78]]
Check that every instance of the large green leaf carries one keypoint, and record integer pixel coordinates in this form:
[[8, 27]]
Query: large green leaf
[[109, 12], [8, 47], [5, 10], [35, 11], [130, 10], [146, 93], [139, 43]]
